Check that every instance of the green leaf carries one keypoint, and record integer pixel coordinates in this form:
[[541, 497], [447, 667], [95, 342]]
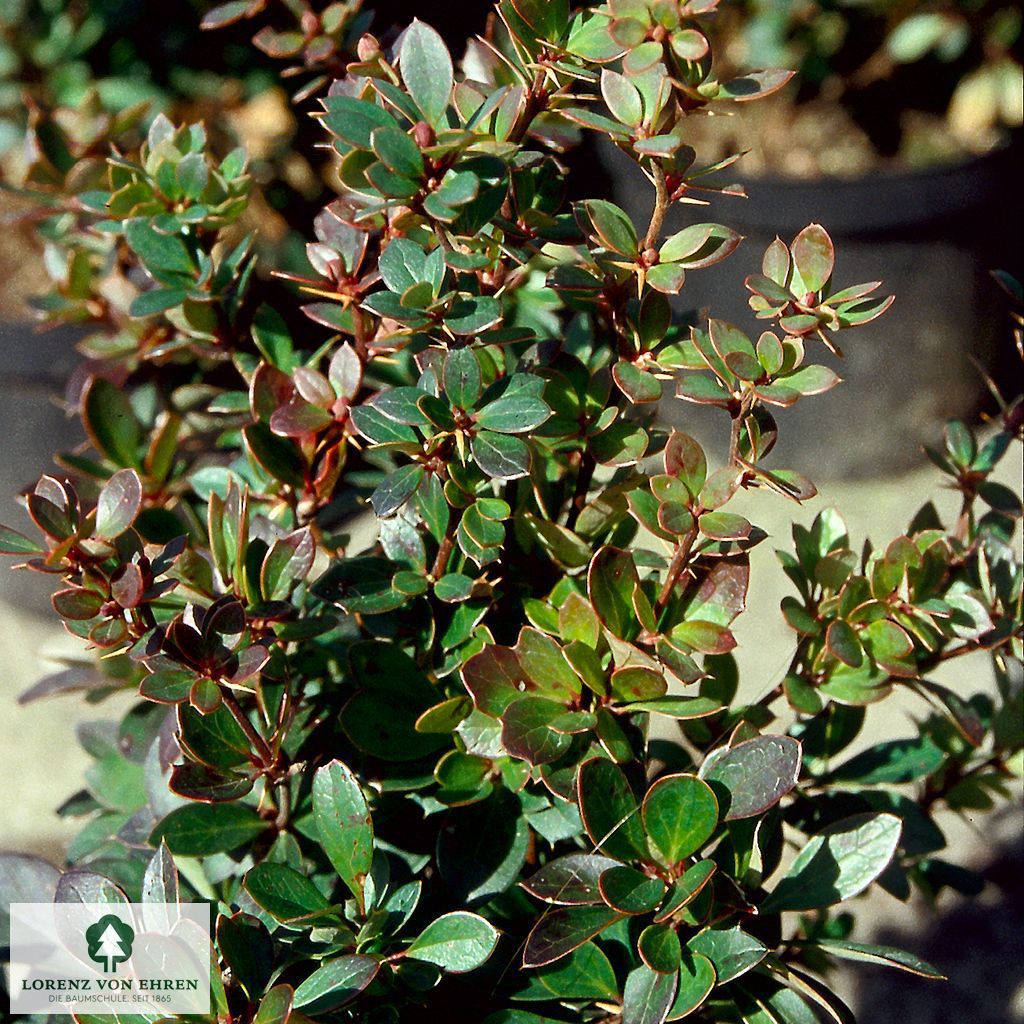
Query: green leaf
[[14, 543], [586, 973], [275, 1007], [659, 948], [548, 18], [283, 892], [613, 227], [248, 950], [482, 849], [427, 70], [610, 811], [192, 175], [164, 256], [680, 814], [119, 504], [887, 956], [753, 775], [571, 880], [667, 278], [686, 889], [699, 246], [647, 996], [677, 707], [457, 942], [810, 380], [630, 891], [838, 863], [501, 456], [354, 120], [559, 932], [273, 339], [396, 489], [696, 980], [111, 422], [527, 731], [473, 314], [891, 763], [637, 385], [279, 456], [463, 380], [813, 256], [513, 414], [398, 151], [731, 951], [157, 300], [622, 97], [724, 526], [343, 824], [611, 581], [198, 830], [335, 983]]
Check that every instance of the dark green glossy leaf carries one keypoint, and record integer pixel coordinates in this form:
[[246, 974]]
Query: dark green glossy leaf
[[501, 456], [570, 880], [111, 423], [630, 891], [455, 942], [335, 983], [198, 830], [396, 489], [680, 814], [752, 776], [686, 888], [586, 973], [893, 762], [886, 956], [731, 951], [659, 948], [284, 893], [426, 69], [696, 980], [610, 811], [838, 863], [647, 996], [343, 824], [248, 950], [482, 849], [559, 932]]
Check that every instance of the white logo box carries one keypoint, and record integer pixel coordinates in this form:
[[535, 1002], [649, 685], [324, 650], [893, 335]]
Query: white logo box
[[110, 958]]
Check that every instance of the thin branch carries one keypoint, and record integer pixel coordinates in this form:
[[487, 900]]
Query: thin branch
[[661, 205], [675, 569], [258, 743], [443, 553]]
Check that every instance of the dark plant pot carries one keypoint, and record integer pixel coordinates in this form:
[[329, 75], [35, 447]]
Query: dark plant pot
[[932, 237]]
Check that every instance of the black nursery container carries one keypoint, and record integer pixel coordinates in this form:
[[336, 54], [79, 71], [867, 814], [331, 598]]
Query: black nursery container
[[932, 237]]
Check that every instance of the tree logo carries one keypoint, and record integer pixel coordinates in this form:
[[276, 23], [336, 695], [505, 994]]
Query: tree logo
[[110, 942]]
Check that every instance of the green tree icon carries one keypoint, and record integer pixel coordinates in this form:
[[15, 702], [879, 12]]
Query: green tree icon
[[110, 942]]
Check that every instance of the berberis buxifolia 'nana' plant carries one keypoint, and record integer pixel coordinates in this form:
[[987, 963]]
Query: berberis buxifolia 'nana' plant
[[490, 764]]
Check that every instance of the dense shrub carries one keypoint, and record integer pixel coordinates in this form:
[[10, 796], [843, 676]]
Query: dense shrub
[[488, 758]]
